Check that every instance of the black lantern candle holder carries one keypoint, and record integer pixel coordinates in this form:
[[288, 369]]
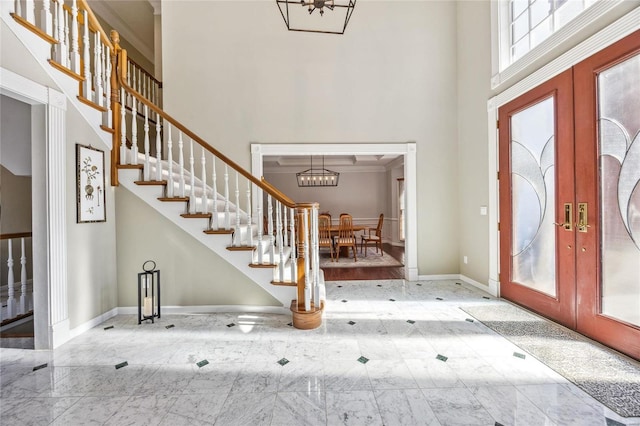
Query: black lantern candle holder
[[148, 292]]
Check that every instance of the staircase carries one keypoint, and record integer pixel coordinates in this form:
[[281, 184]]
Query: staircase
[[271, 239]]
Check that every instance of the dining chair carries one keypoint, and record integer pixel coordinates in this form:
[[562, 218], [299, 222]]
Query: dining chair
[[324, 233], [375, 238], [346, 237]]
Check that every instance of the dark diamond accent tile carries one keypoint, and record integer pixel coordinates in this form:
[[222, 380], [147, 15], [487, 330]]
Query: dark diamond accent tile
[[39, 367], [458, 283], [379, 285], [611, 422], [498, 424], [420, 284], [519, 355], [363, 359], [231, 325], [122, 364], [442, 358], [344, 300], [109, 327], [283, 362], [339, 286], [411, 321], [170, 326], [468, 320], [485, 297], [439, 298], [202, 363], [351, 322], [392, 300], [290, 324]]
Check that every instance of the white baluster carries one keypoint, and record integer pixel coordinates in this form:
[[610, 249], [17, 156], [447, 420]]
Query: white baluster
[[23, 279], [10, 282], [203, 166], [67, 40], [238, 230], [307, 278], [30, 11], [170, 161], [280, 236], [134, 129], [107, 115], [260, 225], [316, 258], [158, 149], [97, 78], [46, 20], [123, 127], [146, 171], [272, 248], [214, 185], [192, 191], [227, 216], [181, 163], [61, 48], [75, 46], [285, 230], [129, 76], [294, 263], [249, 215], [18, 8], [86, 56]]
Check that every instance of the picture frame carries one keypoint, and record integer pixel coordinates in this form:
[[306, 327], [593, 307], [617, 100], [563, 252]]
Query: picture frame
[[90, 188]]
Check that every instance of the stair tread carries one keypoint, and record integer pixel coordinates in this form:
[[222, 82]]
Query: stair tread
[[218, 231], [151, 182], [130, 166], [92, 104], [177, 199], [196, 215], [33, 28]]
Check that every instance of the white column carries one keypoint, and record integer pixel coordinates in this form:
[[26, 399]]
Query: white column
[[11, 312], [203, 166], [192, 190], [272, 249], [134, 128], [181, 163], [280, 236], [249, 215], [259, 223], [23, 279], [238, 230], [158, 149], [214, 185], [86, 57], [294, 248], [46, 20], [170, 161], [146, 172], [123, 127], [75, 45], [307, 277], [227, 216], [316, 258]]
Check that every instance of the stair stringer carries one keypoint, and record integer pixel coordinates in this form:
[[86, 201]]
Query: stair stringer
[[216, 243]]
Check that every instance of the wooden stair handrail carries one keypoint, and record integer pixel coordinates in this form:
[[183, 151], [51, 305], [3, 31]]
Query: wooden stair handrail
[[261, 183], [15, 235], [95, 24]]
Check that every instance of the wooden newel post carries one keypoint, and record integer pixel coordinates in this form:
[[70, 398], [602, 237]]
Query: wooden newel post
[[115, 107]]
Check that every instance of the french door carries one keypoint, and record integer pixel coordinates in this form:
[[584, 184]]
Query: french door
[[570, 197]]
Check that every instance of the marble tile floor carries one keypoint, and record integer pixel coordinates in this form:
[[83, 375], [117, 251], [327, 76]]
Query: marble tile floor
[[389, 353]]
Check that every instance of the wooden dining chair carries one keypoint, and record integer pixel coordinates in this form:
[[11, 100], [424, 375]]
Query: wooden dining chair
[[375, 238], [346, 237], [324, 233]]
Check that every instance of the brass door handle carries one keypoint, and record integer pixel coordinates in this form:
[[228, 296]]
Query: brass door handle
[[568, 215], [583, 219]]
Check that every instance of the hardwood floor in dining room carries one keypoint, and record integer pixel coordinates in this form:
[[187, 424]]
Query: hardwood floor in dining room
[[370, 273]]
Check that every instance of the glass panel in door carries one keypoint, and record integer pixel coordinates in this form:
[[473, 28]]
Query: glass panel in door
[[619, 163]]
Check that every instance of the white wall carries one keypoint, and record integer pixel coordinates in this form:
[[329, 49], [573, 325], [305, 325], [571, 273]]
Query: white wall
[[15, 136], [234, 75]]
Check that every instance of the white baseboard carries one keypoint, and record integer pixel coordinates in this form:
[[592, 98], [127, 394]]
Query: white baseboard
[[491, 289], [93, 322], [133, 310], [60, 333]]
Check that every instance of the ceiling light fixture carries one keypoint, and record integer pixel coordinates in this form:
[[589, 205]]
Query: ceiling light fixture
[[317, 177], [303, 19]]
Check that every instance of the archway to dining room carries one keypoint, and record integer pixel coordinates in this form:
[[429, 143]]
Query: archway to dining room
[[374, 179]]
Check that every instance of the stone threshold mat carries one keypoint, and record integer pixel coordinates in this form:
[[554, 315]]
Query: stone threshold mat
[[606, 375]]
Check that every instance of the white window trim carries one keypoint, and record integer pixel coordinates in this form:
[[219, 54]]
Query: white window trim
[[500, 28]]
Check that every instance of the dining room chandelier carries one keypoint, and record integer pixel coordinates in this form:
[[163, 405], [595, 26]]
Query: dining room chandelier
[[302, 16], [317, 177]]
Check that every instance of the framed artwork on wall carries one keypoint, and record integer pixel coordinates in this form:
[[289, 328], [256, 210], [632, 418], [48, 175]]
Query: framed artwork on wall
[[90, 185]]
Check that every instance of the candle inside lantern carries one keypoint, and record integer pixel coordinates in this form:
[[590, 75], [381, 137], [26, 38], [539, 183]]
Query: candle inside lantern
[[147, 308]]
